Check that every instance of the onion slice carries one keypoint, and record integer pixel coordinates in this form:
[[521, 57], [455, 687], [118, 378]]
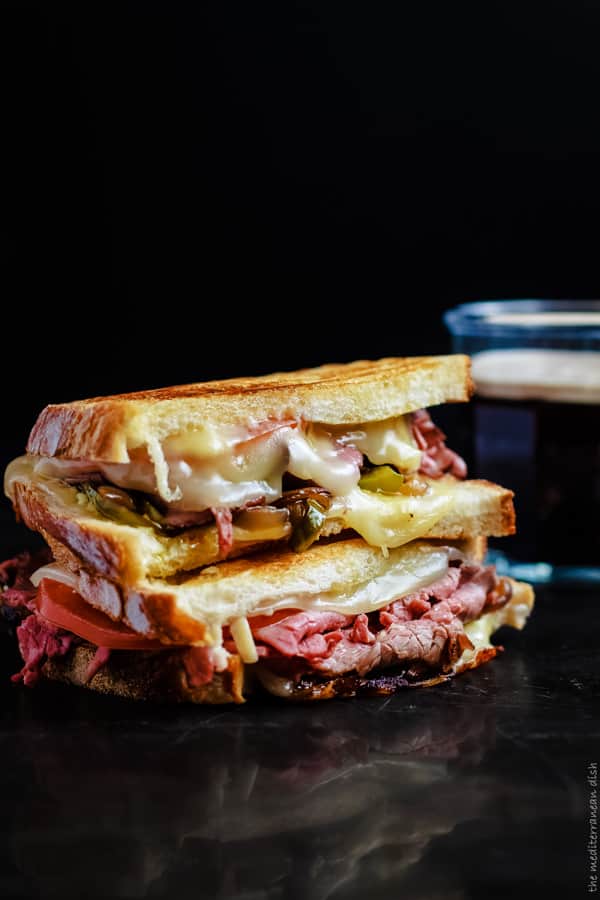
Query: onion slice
[[262, 523], [56, 573]]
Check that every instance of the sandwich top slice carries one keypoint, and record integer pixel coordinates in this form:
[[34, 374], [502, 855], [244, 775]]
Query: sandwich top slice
[[339, 620], [152, 484]]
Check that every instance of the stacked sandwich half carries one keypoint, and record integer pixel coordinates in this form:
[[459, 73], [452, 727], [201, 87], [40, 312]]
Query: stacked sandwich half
[[309, 534]]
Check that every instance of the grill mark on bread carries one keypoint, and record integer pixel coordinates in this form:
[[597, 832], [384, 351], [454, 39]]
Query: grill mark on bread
[[104, 428]]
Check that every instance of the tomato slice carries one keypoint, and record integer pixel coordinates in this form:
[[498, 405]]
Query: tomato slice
[[63, 606]]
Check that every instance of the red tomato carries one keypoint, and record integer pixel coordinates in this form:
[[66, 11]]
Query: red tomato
[[63, 606]]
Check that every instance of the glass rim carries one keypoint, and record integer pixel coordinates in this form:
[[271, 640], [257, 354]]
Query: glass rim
[[480, 319]]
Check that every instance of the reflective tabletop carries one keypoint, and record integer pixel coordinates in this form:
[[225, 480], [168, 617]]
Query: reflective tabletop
[[476, 788]]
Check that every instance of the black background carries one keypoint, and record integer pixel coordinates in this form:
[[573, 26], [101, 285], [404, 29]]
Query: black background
[[207, 189], [194, 190]]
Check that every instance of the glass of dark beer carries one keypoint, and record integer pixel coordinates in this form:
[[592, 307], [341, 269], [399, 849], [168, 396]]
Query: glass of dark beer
[[536, 426]]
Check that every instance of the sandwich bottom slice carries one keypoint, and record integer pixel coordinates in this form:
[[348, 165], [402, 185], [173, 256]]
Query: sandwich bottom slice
[[338, 621]]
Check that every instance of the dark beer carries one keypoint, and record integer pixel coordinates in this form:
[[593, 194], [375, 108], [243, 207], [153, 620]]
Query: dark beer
[[537, 431], [536, 424], [549, 454]]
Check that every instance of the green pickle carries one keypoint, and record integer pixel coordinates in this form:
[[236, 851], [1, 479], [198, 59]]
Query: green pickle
[[119, 512], [307, 525], [383, 480], [152, 513]]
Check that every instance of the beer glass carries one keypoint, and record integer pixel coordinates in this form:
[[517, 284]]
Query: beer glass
[[536, 426]]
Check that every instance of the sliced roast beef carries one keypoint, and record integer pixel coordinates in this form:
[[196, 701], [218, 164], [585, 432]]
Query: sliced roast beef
[[424, 628], [224, 520], [437, 459], [201, 663], [199, 666], [467, 586], [18, 592], [349, 454], [310, 635], [426, 640], [360, 630], [39, 640], [474, 586]]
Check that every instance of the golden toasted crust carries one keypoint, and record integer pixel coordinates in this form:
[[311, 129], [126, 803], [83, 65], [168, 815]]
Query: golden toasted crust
[[121, 553], [160, 677], [481, 508], [106, 428], [167, 619], [190, 608], [109, 552]]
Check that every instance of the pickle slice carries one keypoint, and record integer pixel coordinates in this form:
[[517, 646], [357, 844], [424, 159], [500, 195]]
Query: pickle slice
[[308, 518], [383, 480]]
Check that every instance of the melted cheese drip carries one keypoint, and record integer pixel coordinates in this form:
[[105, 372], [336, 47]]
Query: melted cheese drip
[[316, 457], [383, 520], [390, 520], [244, 642], [161, 472], [480, 631], [400, 580], [388, 442], [202, 469]]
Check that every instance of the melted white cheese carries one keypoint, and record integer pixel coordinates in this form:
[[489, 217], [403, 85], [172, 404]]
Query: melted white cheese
[[402, 577], [244, 642], [515, 613], [199, 470], [390, 520], [390, 442], [383, 520], [316, 457]]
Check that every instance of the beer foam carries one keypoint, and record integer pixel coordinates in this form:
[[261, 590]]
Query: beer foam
[[560, 376], [552, 319]]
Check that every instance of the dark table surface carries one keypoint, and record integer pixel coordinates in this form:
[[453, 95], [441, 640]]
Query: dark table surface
[[477, 788]]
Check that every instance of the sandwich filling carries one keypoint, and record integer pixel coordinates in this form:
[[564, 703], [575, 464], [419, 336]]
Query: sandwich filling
[[420, 635], [389, 481]]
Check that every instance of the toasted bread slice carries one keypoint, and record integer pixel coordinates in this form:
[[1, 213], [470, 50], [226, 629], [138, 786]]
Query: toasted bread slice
[[136, 675], [161, 676], [346, 575], [128, 555], [106, 428]]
